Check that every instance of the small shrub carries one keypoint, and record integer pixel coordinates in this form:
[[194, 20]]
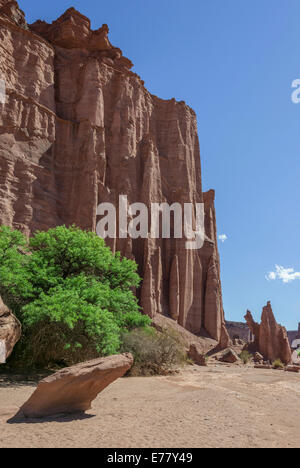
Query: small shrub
[[277, 364], [155, 353], [245, 356]]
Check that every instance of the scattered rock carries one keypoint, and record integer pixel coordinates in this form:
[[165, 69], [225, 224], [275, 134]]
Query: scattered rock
[[258, 358], [10, 332], [229, 356], [72, 390], [238, 342]]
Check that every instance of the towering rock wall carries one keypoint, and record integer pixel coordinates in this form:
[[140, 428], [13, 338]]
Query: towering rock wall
[[79, 128]]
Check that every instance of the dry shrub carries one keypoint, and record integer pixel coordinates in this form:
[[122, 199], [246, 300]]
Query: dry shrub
[[278, 364], [48, 345], [245, 356], [155, 353]]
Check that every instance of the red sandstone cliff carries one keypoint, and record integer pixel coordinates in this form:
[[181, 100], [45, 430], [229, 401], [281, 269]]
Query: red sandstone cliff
[[79, 128], [271, 339]]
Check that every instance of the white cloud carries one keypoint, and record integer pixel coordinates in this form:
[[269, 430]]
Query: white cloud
[[223, 238], [286, 275]]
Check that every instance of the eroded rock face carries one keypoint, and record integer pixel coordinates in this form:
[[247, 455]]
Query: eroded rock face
[[10, 332], [10, 9], [78, 129], [271, 339], [73, 389]]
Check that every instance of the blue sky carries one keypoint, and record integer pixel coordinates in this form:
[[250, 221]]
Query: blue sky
[[234, 62]]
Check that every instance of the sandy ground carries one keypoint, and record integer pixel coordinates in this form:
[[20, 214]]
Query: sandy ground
[[201, 407]]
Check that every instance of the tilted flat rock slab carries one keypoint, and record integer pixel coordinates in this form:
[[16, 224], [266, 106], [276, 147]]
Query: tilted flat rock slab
[[10, 332], [73, 389]]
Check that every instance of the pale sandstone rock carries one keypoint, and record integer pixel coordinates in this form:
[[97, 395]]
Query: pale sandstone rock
[[271, 339], [73, 389], [10, 332], [79, 128], [296, 357]]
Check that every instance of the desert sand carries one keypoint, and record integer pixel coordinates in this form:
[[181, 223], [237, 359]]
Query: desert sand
[[220, 406]]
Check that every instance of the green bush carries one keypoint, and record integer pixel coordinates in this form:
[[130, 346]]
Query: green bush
[[245, 356], [72, 295], [154, 352]]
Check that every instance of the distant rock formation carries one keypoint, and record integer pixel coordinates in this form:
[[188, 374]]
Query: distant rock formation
[[73, 389], [10, 332], [239, 331], [78, 129], [294, 338], [270, 338]]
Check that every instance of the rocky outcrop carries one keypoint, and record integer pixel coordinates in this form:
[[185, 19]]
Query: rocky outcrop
[[10, 332], [271, 339], [229, 356], [10, 9], [73, 389], [191, 343], [79, 128]]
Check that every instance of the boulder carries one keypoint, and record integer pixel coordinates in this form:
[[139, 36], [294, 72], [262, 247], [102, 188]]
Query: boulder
[[195, 353], [229, 356], [258, 357], [73, 389], [10, 332]]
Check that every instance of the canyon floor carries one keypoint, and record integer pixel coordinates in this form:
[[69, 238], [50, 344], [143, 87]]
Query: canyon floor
[[216, 406]]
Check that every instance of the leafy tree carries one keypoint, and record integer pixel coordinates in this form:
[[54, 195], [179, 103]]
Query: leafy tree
[[72, 294]]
